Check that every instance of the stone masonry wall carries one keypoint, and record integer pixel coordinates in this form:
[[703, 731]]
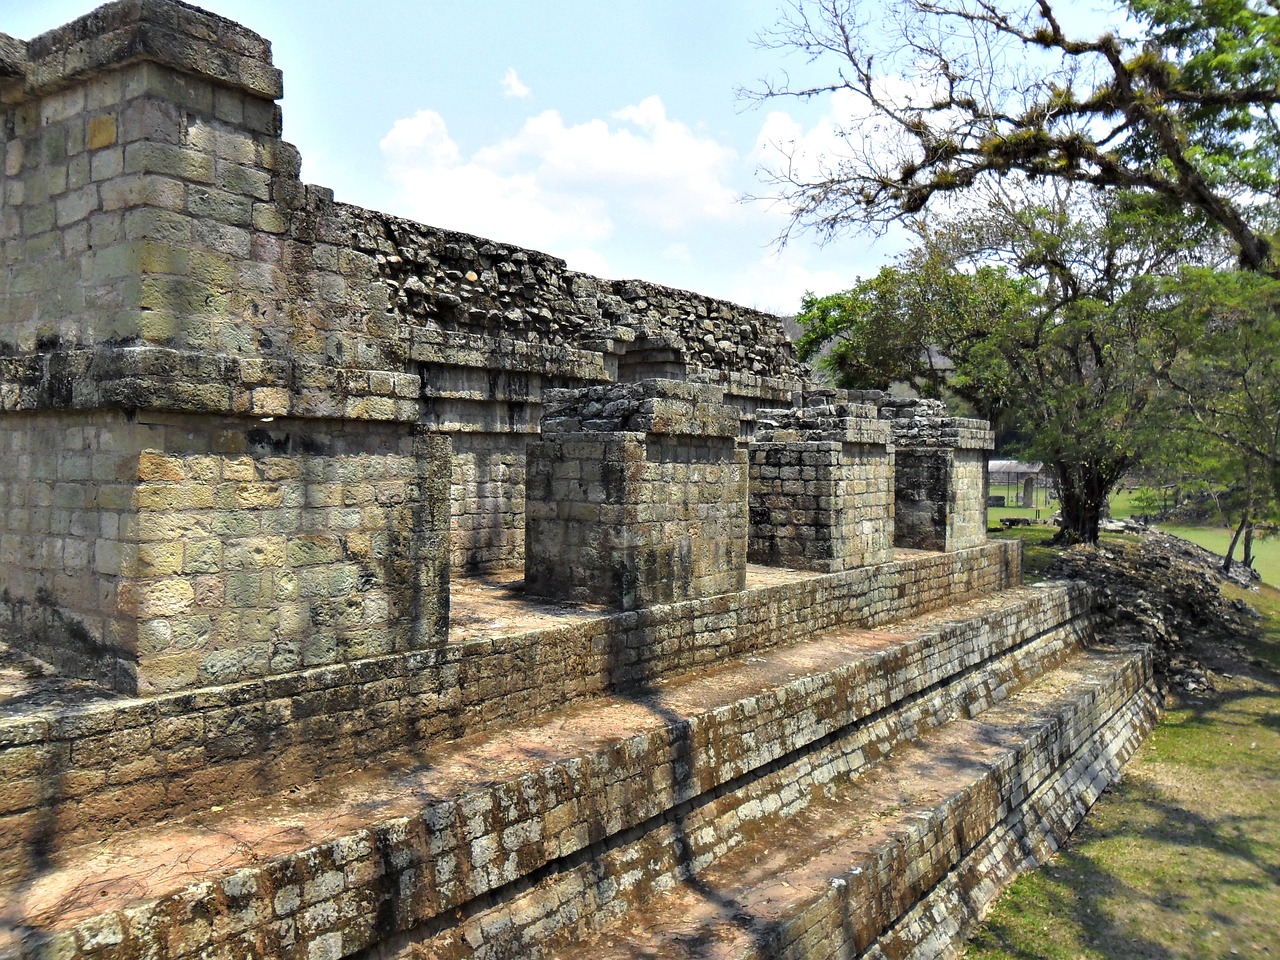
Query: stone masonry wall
[[940, 475], [967, 515], [84, 771], [160, 252], [761, 760], [464, 284], [167, 551], [66, 508], [637, 494], [922, 492], [821, 480], [316, 546]]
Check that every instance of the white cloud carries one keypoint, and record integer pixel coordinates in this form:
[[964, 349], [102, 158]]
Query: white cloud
[[848, 127], [437, 185], [777, 280], [586, 260], [678, 251], [559, 186], [512, 87], [635, 193]]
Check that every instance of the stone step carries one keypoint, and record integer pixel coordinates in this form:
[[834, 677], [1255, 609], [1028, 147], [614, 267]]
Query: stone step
[[337, 866], [74, 771], [899, 862]]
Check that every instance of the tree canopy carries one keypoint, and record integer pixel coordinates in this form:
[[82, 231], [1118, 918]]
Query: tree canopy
[[1223, 379], [1178, 100], [1051, 309]]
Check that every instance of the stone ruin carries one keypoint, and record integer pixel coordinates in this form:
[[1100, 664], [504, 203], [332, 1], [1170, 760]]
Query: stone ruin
[[375, 590]]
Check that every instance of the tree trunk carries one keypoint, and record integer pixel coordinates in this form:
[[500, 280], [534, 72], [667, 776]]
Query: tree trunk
[[1247, 559], [1235, 539], [1082, 492]]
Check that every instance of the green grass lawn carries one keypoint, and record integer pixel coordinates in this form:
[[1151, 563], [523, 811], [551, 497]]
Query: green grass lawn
[[1178, 860], [1215, 538], [1266, 553]]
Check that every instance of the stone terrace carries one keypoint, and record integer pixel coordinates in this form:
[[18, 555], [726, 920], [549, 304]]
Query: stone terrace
[[373, 590]]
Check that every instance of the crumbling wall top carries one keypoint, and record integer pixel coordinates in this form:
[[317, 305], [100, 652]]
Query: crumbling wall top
[[478, 287], [162, 31], [655, 406], [13, 57], [828, 423]]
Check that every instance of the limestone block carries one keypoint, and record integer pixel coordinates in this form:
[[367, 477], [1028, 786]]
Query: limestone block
[[821, 476], [632, 517]]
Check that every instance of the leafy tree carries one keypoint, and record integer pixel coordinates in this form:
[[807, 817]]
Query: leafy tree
[[904, 325], [1177, 101], [1223, 379], [1068, 347], [1212, 472]]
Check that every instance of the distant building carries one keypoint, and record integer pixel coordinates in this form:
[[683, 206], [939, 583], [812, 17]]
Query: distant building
[[1015, 473]]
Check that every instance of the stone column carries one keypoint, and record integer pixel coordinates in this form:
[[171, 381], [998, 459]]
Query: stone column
[[821, 478], [210, 464], [636, 495], [940, 475]]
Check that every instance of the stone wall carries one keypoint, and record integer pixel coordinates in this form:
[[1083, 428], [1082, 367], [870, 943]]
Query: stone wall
[[637, 495], [87, 771], [245, 431], [940, 468], [66, 511], [165, 551], [677, 794], [821, 479], [161, 256]]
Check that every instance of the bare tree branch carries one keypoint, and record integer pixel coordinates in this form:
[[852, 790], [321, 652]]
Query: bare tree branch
[[970, 90]]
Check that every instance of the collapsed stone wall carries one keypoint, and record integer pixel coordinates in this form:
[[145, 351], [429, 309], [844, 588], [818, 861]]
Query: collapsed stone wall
[[463, 284]]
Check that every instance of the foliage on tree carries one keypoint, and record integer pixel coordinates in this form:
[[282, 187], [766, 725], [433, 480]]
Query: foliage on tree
[[1069, 347], [1225, 375], [1222, 385], [1177, 101], [904, 325]]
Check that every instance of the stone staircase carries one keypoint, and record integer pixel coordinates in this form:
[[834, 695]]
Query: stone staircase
[[863, 790]]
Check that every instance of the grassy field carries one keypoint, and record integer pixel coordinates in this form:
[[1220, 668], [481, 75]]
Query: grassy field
[[1266, 553], [1181, 859]]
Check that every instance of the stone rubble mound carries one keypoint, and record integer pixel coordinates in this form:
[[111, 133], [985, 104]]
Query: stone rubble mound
[[1163, 591]]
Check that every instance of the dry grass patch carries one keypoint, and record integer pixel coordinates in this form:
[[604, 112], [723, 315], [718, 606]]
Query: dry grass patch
[[1182, 857]]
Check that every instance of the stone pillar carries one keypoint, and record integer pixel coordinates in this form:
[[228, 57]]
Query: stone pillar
[[210, 466], [821, 480], [1029, 492], [940, 475], [636, 495]]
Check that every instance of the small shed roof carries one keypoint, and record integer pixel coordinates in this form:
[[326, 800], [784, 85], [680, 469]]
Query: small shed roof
[[1014, 466]]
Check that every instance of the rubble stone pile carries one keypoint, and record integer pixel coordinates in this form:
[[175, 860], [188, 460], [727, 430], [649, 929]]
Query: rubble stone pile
[[1163, 591]]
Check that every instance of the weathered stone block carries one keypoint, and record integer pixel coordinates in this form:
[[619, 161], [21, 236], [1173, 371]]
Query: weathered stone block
[[661, 444], [940, 475], [821, 482]]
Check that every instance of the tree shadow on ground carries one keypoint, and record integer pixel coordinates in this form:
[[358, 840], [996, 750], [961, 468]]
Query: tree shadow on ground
[[1103, 895]]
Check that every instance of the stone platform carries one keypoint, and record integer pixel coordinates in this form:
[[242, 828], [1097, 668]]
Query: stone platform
[[269, 688], [981, 731]]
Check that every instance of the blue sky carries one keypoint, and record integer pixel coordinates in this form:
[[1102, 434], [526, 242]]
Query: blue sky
[[606, 132]]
